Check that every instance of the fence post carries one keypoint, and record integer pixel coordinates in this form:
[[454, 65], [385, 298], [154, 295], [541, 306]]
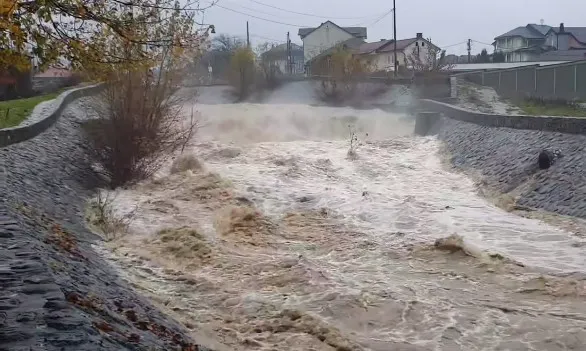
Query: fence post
[[482, 77], [535, 80], [575, 78], [499, 80], [554, 78], [516, 80]]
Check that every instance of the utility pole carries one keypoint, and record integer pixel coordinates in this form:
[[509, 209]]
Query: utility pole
[[395, 38], [247, 36], [289, 70], [469, 49]]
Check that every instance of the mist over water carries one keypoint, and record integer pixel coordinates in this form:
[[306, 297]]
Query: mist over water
[[296, 246]]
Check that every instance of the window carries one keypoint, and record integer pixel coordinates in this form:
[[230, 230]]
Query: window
[[423, 44], [389, 59]]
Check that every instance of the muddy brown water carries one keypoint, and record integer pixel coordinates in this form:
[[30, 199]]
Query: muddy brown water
[[284, 243]]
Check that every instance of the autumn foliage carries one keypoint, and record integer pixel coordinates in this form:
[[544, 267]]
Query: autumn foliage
[[90, 35], [242, 72]]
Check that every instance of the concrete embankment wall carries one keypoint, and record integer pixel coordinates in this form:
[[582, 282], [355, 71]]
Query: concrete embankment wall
[[504, 150], [57, 292]]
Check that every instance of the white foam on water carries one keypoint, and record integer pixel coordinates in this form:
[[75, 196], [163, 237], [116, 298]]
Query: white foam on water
[[407, 188], [353, 277]]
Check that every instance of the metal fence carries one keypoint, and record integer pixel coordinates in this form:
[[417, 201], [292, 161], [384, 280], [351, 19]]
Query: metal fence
[[563, 81]]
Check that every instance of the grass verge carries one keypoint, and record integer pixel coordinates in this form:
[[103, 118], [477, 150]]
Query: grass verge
[[534, 108], [13, 112]]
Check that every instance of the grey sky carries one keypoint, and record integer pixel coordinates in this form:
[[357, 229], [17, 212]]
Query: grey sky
[[446, 22]]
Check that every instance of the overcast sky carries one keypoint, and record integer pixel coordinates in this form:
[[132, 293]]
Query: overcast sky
[[446, 22]]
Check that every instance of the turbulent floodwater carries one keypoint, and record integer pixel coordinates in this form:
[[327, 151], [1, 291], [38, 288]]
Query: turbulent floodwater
[[283, 242]]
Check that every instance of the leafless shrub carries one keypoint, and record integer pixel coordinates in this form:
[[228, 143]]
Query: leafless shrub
[[268, 71], [354, 143], [140, 123], [340, 72], [101, 215]]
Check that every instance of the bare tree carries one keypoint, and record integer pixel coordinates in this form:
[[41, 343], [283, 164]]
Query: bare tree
[[340, 72], [219, 54], [141, 122], [227, 43], [428, 59], [269, 70]]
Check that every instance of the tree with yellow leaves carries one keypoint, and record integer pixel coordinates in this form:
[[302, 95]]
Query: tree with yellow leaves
[[95, 35]]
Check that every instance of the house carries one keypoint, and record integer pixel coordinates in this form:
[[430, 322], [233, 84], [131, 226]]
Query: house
[[416, 50], [277, 55], [325, 36], [529, 43], [379, 56], [566, 38], [522, 43], [318, 63]]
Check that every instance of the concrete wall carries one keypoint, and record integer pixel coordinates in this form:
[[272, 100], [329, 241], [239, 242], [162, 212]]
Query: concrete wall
[[18, 134], [563, 81], [572, 125]]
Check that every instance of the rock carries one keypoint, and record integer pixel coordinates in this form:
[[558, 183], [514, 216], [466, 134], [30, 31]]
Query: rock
[[545, 159], [305, 198]]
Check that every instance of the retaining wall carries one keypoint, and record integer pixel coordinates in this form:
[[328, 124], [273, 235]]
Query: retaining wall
[[573, 125], [21, 133], [58, 293], [504, 151]]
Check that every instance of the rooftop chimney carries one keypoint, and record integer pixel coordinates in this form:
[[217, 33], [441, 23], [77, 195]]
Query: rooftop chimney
[[562, 28], [419, 35]]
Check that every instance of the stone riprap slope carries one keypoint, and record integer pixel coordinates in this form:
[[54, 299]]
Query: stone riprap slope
[[507, 161], [57, 293]]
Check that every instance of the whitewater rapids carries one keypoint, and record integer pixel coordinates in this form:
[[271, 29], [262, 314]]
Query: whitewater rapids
[[284, 242]]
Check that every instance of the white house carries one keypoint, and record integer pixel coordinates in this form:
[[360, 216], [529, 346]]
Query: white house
[[278, 56], [535, 42], [380, 55], [326, 36]]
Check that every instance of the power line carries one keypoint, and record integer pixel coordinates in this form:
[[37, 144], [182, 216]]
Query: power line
[[479, 42], [255, 10], [260, 18], [449, 46], [380, 18], [303, 13]]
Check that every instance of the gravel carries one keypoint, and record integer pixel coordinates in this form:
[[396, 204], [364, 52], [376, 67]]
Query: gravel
[[507, 161], [57, 293]]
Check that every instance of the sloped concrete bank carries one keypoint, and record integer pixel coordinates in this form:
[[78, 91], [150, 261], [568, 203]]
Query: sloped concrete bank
[[57, 293], [507, 161]]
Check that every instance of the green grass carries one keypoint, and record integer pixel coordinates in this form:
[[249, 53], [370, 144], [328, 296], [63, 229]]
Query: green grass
[[13, 112], [541, 109]]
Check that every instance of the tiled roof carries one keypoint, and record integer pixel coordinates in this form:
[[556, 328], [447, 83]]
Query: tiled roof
[[524, 32], [367, 48], [401, 45]]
